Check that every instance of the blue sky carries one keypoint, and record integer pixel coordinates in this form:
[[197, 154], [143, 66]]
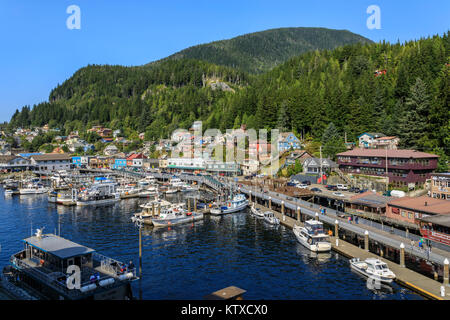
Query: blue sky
[[38, 51]]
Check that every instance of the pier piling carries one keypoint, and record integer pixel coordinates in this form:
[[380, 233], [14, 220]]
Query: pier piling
[[366, 240], [446, 272], [402, 255]]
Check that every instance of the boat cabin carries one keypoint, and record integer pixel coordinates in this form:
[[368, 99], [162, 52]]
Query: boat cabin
[[314, 227], [44, 262]]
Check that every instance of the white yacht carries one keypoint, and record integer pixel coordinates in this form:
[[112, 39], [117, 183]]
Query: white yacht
[[269, 217], [171, 190], [101, 192], [176, 182], [312, 236], [32, 188], [188, 188], [238, 203], [373, 268], [257, 212]]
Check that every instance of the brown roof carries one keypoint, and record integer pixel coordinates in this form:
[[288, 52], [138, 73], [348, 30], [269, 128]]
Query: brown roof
[[7, 158], [370, 199], [433, 205], [387, 138], [442, 220], [51, 156], [358, 152]]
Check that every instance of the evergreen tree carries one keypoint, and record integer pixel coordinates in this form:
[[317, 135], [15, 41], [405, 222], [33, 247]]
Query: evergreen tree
[[332, 142]]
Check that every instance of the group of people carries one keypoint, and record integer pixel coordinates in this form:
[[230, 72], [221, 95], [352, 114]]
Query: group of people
[[130, 267]]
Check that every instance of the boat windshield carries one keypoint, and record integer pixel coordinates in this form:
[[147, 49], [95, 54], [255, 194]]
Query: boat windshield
[[381, 267], [321, 239]]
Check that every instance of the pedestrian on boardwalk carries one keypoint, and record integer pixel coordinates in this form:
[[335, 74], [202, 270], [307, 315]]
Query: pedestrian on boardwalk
[[412, 244], [356, 219]]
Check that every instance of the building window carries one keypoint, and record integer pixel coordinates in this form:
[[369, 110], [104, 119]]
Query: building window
[[403, 213]]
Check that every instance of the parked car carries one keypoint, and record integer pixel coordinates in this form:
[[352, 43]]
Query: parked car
[[307, 182], [342, 187], [339, 194], [316, 190], [355, 190], [301, 186], [331, 187], [291, 184]]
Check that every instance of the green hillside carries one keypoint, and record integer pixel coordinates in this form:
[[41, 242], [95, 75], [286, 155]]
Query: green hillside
[[261, 51]]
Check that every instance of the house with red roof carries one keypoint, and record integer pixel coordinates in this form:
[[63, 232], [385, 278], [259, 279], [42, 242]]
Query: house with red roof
[[135, 160]]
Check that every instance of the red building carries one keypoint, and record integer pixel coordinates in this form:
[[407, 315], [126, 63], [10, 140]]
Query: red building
[[405, 167]]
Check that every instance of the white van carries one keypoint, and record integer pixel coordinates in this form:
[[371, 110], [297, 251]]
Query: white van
[[342, 187]]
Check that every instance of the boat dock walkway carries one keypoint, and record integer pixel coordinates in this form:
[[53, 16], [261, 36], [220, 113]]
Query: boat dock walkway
[[421, 284]]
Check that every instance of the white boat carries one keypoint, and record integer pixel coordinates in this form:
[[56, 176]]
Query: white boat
[[269, 217], [9, 192], [148, 192], [238, 203], [257, 212], [189, 188], [33, 189], [312, 236], [102, 192], [175, 216], [373, 268], [171, 191], [150, 210], [176, 182]]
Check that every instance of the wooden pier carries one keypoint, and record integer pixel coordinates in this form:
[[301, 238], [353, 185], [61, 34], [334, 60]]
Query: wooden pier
[[421, 284]]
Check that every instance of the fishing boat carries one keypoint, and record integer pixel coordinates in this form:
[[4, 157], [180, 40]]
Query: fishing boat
[[44, 269], [312, 236], [101, 192], [257, 212], [33, 188], [150, 210], [269, 217], [174, 216], [373, 268], [238, 203]]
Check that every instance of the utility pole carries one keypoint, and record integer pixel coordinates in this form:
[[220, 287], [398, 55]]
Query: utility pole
[[387, 177], [321, 174]]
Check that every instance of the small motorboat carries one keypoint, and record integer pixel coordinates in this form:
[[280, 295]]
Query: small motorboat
[[257, 212], [270, 218], [373, 268]]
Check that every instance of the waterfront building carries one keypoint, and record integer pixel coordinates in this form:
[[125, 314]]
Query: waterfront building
[[46, 163], [135, 160], [436, 228], [119, 163], [110, 150], [249, 167], [10, 163], [440, 186], [223, 168], [186, 163], [406, 168], [412, 210]]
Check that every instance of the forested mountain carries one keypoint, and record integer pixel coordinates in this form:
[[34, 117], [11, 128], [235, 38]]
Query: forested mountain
[[261, 51], [408, 97]]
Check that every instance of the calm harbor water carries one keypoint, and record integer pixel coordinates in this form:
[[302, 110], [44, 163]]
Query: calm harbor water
[[193, 260]]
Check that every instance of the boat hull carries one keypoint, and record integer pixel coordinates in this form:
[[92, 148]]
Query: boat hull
[[176, 221], [361, 271], [97, 202]]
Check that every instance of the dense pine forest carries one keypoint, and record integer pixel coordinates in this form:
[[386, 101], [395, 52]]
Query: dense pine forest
[[408, 97], [261, 51]]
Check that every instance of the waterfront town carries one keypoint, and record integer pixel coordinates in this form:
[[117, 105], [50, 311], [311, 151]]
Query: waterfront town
[[215, 160], [395, 193]]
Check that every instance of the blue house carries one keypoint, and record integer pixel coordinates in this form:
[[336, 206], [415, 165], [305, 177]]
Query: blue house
[[287, 141], [76, 161], [119, 164]]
